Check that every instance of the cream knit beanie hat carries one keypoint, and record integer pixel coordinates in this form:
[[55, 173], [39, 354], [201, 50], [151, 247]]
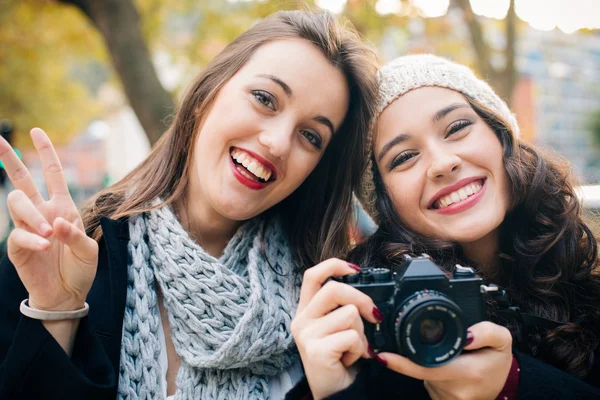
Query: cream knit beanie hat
[[412, 72]]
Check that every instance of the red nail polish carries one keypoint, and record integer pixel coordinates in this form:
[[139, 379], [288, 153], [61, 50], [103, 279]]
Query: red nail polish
[[354, 267], [376, 357], [377, 314], [469, 338]]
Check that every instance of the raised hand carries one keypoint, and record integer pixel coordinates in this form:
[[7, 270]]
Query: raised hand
[[55, 259], [328, 328]]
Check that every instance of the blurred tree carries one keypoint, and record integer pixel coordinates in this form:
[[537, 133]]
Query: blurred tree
[[119, 24], [504, 79]]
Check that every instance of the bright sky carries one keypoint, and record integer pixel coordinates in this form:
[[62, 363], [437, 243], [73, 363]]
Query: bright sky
[[568, 15]]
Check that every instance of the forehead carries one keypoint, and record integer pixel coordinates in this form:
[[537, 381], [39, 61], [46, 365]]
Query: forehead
[[316, 83], [288, 57], [415, 109]]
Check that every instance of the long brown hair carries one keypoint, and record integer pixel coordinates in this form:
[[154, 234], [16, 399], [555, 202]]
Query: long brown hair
[[549, 256], [316, 216]]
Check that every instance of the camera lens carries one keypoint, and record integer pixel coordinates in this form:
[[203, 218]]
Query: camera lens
[[431, 331], [429, 328]]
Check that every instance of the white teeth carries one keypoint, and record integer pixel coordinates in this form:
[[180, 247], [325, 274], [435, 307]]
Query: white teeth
[[252, 165], [459, 195]]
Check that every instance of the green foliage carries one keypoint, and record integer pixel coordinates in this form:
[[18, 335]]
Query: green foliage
[[595, 127], [42, 43]]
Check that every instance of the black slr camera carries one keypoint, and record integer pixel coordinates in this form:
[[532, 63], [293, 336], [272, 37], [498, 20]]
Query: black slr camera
[[426, 315]]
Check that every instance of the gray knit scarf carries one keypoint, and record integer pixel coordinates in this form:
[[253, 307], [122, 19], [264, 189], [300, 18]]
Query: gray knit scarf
[[230, 317]]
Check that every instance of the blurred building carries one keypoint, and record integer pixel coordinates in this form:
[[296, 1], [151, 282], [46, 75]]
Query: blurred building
[[558, 88], [564, 70]]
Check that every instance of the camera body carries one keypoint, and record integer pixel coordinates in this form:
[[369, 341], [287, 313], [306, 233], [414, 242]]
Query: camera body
[[426, 314]]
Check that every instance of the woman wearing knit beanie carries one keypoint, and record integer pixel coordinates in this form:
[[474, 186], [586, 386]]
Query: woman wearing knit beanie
[[181, 280], [450, 178]]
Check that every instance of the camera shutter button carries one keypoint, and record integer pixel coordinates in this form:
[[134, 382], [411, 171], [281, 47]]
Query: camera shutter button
[[463, 272]]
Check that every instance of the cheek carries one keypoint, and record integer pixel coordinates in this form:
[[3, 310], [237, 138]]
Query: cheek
[[405, 201]]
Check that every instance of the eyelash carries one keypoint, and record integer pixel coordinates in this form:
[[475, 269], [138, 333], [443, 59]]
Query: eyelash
[[457, 126], [317, 139], [402, 158], [263, 96]]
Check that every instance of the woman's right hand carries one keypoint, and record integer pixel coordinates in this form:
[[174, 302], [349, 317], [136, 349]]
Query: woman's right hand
[[328, 329], [55, 259]]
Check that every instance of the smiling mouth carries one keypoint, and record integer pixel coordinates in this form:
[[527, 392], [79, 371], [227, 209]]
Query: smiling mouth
[[458, 195], [250, 167]]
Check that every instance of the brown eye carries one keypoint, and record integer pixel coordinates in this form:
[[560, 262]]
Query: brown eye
[[313, 138], [264, 98]]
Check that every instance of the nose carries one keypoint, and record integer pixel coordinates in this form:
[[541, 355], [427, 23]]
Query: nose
[[443, 163], [278, 139]]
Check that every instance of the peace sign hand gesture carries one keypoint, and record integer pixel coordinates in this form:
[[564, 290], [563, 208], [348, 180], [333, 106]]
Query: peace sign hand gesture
[[55, 259]]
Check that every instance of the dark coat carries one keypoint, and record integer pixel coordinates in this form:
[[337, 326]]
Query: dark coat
[[34, 366], [537, 380]]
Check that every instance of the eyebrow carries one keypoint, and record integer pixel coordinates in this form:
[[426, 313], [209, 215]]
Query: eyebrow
[[403, 137], [325, 121], [288, 91], [447, 110]]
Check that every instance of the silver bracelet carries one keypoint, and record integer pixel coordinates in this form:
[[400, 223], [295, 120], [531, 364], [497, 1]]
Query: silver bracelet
[[44, 315]]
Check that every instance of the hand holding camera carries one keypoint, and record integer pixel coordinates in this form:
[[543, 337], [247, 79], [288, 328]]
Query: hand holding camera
[[426, 317], [328, 327]]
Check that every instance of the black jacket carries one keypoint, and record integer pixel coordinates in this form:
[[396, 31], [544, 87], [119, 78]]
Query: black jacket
[[34, 366], [537, 380]]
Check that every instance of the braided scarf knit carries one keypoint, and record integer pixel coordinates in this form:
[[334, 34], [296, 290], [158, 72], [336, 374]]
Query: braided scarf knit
[[229, 317]]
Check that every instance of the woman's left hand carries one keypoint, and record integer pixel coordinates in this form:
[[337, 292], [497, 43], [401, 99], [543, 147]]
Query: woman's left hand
[[477, 374]]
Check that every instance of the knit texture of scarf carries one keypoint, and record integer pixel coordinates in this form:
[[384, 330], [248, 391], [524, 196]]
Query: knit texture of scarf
[[229, 317]]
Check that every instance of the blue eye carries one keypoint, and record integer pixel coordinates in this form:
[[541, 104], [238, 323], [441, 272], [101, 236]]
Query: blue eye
[[313, 138], [402, 158], [457, 126], [265, 98]]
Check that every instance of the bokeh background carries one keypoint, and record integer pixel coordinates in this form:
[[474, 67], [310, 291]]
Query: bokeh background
[[102, 76]]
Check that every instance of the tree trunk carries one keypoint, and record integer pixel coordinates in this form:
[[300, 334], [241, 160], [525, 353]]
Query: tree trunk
[[118, 22], [503, 81]]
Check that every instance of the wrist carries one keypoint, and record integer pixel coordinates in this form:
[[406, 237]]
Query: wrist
[[510, 390], [64, 332], [68, 305]]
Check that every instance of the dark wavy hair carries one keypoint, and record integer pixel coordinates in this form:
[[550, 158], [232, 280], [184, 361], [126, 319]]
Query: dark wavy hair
[[549, 256]]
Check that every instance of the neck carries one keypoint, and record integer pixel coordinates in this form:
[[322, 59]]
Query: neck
[[209, 229], [484, 253]]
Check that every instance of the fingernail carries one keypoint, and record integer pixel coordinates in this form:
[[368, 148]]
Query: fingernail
[[354, 267], [469, 338], [45, 228], [377, 314], [376, 357]]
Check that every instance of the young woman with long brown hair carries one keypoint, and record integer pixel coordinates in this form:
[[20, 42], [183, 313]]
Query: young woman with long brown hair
[[449, 177], [182, 279]]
